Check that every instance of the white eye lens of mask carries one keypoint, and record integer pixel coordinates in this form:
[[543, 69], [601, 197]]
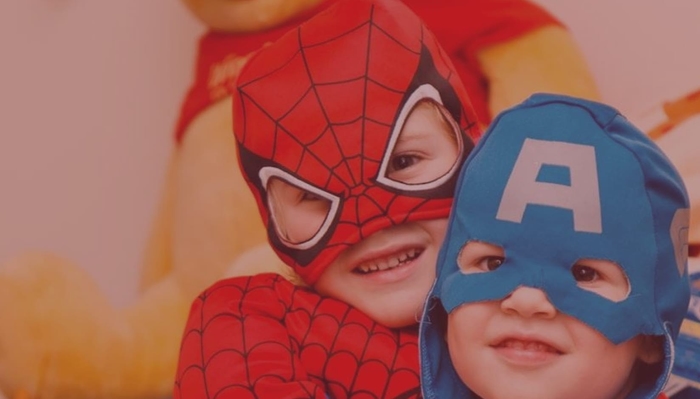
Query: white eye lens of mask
[[425, 146], [301, 213]]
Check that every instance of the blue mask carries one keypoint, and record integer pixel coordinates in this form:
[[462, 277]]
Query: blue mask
[[569, 179]]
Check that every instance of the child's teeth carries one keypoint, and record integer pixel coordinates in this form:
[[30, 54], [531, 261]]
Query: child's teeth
[[387, 263], [515, 344], [540, 347], [529, 345]]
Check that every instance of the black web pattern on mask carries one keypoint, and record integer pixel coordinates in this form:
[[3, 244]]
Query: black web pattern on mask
[[262, 337]]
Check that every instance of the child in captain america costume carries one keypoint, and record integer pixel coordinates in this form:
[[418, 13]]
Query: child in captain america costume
[[564, 270], [350, 130]]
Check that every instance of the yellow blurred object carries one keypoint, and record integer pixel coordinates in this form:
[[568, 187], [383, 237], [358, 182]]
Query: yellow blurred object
[[22, 395], [677, 112]]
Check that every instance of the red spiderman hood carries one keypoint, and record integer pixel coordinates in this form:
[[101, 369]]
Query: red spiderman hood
[[321, 108]]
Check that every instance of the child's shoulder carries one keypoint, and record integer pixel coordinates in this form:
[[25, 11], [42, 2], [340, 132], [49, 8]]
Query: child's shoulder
[[264, 285], [269, 296]]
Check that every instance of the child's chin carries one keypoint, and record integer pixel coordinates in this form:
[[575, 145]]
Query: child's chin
[[398, 320], [396, 310]]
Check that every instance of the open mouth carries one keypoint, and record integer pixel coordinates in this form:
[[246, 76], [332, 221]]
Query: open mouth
[[527, 346], [388, 262]]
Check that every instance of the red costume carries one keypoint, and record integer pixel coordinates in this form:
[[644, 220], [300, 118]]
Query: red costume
[[262, 337], [463, 27], [321, 109]]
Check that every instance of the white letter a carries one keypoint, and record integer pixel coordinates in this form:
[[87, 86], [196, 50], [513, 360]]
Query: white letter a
[[582, 196]]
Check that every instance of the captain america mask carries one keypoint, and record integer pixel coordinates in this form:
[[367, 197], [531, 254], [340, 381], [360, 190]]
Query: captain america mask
[[572, 180], [322, 110], [568, 183]]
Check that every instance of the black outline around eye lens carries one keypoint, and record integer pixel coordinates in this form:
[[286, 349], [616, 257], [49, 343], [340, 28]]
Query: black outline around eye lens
[[268, 172], [424, 92]]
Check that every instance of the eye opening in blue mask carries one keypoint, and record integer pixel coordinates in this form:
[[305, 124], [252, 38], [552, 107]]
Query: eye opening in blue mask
[[603, 277], [478, 256], [620, 201]]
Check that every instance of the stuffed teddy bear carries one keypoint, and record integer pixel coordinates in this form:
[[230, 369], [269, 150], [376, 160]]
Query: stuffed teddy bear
[[67, 341]]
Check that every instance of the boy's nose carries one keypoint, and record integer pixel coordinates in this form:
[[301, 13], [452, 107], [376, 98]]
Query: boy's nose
[[528, 302]]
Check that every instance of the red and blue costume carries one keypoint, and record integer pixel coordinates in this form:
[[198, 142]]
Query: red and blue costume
[[321, 109]]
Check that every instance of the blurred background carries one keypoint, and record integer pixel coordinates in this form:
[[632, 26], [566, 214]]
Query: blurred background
[[90, 92], [90, 95]]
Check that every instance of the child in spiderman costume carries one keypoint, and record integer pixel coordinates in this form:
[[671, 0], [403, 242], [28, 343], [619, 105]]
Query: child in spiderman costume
[[564, 271], [351, 130]]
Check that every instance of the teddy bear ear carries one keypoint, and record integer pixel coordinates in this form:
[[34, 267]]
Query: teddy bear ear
[[249, 16]]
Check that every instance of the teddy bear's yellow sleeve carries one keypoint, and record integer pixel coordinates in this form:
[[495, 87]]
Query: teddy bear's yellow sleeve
[[544, 60]]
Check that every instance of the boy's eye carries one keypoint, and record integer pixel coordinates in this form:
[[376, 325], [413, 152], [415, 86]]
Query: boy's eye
[[480, 257], [603, 277], [492, 263], [401, 162], [307, 196], [584, 273], [425, 152], [298, 214]]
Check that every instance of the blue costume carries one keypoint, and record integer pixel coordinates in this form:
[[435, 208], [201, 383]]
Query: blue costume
[[571, 179]]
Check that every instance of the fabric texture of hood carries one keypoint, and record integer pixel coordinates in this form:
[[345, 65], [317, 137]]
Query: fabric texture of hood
[[554, 180]]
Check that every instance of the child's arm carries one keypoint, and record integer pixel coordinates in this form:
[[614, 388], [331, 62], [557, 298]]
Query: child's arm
[[236, 345], [263, 337]]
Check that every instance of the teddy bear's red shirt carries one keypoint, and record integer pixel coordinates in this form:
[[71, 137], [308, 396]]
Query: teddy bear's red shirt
[[463, 27]]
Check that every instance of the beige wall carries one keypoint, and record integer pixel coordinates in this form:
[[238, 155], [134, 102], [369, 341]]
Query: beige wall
[[641, 51], [89, 93]]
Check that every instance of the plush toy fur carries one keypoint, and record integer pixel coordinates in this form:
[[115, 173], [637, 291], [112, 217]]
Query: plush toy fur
[[62, 339]]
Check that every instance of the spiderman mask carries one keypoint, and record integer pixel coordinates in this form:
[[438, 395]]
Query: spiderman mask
[[322, 113]]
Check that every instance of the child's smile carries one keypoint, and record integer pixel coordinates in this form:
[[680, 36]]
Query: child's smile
[[542, 352], [526, 350], [387, 274], [388, 263]]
